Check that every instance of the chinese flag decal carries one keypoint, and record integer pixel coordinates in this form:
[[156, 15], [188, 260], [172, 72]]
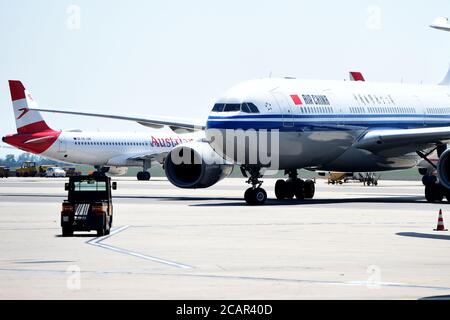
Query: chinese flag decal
[[296, 99]]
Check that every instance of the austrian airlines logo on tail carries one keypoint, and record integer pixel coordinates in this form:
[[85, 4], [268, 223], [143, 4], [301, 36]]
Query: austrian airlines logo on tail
[[24, 112]]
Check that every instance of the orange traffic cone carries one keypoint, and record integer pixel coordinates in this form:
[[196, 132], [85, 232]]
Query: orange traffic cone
[[440, 225]]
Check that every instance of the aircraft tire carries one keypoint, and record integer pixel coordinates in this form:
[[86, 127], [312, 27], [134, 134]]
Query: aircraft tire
[[289, 190], [433, 193], [299, 189], [280, 189], [310, 189], [255, 197]]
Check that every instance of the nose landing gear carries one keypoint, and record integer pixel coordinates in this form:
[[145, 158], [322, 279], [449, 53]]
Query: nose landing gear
[[255, 195]]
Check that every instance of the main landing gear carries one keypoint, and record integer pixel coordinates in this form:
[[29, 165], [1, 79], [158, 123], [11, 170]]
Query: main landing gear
[[284, 189], [434, 191], [293, 186], [144, 175]]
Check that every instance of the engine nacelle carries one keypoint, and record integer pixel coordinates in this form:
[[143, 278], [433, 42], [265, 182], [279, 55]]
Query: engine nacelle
[[195, 165], [443, 169]]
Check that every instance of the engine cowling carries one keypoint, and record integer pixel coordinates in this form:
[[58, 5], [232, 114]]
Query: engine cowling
[[195, 165], [443, 169]]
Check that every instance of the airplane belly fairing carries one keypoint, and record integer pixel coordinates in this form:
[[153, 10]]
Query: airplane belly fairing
[[359, 160]]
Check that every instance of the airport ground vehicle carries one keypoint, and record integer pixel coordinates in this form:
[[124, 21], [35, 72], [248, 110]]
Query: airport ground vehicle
[[27, 169], [369, 178], [4, 172], [55, 172], [30, 169], [339, 177], [71, 172], [88, 205]]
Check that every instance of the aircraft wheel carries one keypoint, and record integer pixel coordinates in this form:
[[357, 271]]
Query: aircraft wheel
[[280, 189], [310, 189], [299, 189], [289, 190], [433, 193], [146, 175], [428, 179], [248, 196], [255, 197]]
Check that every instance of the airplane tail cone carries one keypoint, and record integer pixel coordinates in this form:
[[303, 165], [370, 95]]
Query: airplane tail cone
[[440, 224]]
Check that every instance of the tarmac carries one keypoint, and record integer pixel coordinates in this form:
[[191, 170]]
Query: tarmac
[[349, 242]]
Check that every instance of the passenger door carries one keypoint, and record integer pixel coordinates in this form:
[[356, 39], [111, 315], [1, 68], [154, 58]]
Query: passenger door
[[285, 108], [62, 146]]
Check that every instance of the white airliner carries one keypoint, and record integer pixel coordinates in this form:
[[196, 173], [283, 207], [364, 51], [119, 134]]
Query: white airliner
[[349, 126], [113, 152]]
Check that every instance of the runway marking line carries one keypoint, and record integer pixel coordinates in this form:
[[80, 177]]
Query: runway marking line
[[97, 242]]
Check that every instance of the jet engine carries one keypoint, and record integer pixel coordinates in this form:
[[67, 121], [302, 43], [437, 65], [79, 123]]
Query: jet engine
[[443, 169], [195, 165]]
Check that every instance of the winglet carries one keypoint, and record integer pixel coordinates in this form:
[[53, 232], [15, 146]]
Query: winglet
[[446, 80]]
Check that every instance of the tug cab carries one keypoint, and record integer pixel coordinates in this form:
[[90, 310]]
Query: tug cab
[[88, 206]]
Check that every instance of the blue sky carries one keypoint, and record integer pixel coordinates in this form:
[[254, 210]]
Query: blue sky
[[173, 58]]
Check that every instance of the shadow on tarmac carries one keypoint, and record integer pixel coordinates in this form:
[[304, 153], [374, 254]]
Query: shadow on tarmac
[[424, 235], [276, 202]]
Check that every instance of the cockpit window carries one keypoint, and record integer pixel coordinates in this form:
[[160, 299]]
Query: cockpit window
[[218, 107], [253, 108], [246, 107], [232, 107]]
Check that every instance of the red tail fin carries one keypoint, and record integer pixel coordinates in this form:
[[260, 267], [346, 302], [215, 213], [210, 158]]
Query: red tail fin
[[27, 121]]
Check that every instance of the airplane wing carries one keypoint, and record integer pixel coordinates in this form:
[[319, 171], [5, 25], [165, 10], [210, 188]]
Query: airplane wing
[[152, 122], [403, 140], [156, 157]]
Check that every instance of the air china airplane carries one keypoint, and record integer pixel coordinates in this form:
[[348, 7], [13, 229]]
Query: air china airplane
[[348, 126], [112, 152]]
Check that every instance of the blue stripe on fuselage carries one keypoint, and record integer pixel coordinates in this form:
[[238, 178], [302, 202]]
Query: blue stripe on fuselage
[[330, 121]]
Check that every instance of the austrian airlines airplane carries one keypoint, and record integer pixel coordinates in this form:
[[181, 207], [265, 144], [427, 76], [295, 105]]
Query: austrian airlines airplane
[[113, 152], [348, 126]]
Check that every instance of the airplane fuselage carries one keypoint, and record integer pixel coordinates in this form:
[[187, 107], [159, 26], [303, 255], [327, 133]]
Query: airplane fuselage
[[320, 122], [99, 148]]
